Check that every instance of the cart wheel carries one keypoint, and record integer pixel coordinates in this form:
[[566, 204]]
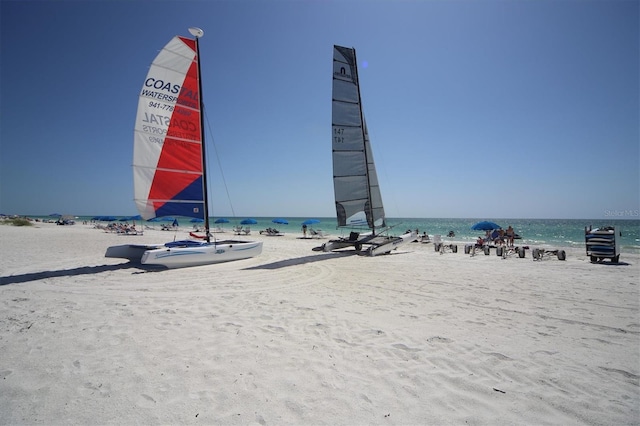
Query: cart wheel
[[521, 252], [467, 249], [615, 259], [487, 251], [499, 251], [594, 259], [562, 255], [358, 247], [536, 254], [454, 248]]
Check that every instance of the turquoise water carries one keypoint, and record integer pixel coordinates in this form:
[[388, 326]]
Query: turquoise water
[[552, 232]]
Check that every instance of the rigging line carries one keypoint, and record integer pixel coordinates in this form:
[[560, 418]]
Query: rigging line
[[215, 149]]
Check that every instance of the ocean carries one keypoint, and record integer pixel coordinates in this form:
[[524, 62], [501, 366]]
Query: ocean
[[544, 232]]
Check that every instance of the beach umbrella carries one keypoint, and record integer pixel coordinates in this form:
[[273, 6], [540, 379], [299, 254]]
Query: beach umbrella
[[175, 223], [280, 221], [55, 215], [310, 221], [249, 222], [222, 220], [196, 220], [485, 225]]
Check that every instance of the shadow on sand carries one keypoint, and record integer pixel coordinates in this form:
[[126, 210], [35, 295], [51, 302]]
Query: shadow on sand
[[303, 260], [82, 270], [315, 258]]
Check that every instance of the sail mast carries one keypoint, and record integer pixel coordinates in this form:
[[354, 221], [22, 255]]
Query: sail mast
[[197, 33], [364, 138]]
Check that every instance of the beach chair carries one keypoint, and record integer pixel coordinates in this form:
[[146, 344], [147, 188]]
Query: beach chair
[[442, 247], [246, 230], [482, 244], [237, 230], [316, 233]]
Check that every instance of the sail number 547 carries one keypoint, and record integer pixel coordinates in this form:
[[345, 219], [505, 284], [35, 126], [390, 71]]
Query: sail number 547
[[338, 133]]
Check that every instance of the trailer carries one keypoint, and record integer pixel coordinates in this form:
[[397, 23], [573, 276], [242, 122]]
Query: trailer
[[602, 243]]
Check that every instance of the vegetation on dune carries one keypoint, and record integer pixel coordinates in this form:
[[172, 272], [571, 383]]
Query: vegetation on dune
[[18, 221]]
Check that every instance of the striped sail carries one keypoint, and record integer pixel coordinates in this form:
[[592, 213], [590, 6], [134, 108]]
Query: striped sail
[[355, 182], [167, 154]]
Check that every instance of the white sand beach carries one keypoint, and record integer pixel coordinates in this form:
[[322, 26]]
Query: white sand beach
[[302, 337]]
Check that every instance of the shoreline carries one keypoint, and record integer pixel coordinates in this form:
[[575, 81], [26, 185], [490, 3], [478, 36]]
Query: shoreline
[[547, 233]]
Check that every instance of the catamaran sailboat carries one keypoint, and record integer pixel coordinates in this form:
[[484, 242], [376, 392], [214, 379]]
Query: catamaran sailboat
[[169, 166], [355, 182]]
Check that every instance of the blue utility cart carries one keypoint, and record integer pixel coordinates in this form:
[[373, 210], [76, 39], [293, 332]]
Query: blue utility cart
[[602, 243]]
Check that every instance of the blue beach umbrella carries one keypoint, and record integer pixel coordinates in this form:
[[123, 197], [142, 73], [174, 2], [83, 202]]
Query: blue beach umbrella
[[485, 225], [196, 220], [280, 221], [222, 220], [310, 222], [249, 222]]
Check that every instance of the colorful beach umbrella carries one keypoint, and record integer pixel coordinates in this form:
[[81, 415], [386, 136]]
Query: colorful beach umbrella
[[485, 225]]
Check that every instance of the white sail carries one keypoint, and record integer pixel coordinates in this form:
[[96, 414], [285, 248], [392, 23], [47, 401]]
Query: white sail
[[355, 182]]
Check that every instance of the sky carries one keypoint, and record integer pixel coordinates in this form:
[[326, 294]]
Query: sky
[[475, 109]]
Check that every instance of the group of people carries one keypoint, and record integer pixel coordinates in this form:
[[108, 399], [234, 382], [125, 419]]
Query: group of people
[[498, 237], [122, 228]]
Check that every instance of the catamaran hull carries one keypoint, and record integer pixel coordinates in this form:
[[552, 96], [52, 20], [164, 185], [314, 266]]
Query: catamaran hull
[[132, 252], [376, 245], [182, 257], [392, 244]]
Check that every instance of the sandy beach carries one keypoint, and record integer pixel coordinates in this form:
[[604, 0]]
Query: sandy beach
[[302, 337]]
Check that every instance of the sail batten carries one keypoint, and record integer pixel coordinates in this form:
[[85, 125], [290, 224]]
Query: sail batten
[[356, 188]]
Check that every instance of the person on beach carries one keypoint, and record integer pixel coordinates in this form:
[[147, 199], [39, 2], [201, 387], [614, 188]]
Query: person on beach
[[510, 236], [304, 231]]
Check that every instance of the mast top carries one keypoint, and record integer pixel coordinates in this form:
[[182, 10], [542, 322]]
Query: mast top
[[196, 32]]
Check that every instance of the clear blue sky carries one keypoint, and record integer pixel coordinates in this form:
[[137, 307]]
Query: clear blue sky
[[490, 109]]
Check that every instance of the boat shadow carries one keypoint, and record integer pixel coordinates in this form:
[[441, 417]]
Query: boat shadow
[[303, 260], [74, 272]]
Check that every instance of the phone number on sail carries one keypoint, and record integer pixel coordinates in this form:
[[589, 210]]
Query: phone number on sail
[[160, 105]]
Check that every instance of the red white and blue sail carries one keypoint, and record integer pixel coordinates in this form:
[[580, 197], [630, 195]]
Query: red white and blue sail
[[167, 154]]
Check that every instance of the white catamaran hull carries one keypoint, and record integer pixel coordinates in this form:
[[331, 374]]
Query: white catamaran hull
[[376, 244], [188, 255], [393, 244]]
